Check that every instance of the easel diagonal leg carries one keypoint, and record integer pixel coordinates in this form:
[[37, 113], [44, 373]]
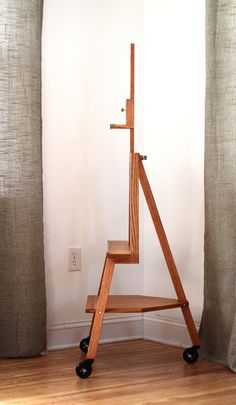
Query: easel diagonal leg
[[167, 253], [103, 292]]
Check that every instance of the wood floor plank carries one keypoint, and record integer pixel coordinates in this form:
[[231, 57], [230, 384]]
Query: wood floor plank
[[128, 373]]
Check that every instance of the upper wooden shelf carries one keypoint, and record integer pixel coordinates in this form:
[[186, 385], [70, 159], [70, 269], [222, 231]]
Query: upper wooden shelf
[[120, 252], [134, 303], [118, 247], [120, 126]]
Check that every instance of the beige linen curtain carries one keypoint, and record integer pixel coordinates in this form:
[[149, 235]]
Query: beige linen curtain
[[22, 284], [218, 327]]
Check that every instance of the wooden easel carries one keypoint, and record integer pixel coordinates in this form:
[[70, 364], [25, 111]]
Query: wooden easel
[[128, 252]]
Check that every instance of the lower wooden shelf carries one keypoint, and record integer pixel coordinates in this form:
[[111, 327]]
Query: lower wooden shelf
[[134, 303]]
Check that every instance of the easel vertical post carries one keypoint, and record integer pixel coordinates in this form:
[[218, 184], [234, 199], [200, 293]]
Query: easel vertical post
[[132, 67]]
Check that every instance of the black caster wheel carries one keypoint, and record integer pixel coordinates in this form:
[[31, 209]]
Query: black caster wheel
[[84, 369], [190, 355], [84, 344]]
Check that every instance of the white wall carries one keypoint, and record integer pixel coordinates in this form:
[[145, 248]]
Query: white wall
[[85, 83], [174, 141]]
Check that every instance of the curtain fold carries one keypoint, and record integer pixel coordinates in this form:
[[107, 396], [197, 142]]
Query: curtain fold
[[22, 278], [218, 326]]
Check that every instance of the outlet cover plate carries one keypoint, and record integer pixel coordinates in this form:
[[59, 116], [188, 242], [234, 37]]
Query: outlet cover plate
[[74, 258]]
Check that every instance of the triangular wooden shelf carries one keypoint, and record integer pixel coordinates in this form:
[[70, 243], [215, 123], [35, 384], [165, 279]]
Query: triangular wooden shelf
[[133, 303]]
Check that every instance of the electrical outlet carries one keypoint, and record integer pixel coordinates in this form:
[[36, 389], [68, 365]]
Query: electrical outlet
[[74, 258]]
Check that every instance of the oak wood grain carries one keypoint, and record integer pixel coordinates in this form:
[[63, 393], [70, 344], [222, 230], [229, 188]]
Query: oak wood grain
[[128, 373], [133, 303], [97, 321], [132, 92], [118, 247], [134, 206]]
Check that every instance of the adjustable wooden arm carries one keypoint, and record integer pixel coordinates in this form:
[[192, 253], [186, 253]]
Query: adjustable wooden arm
[[129, 117], [129, 124]]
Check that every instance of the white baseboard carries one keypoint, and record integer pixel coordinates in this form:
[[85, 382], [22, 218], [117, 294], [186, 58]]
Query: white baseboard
[[150, 327], [165, 330], [115, 329]]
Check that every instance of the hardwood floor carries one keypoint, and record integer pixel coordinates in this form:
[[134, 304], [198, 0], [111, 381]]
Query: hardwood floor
[[128, 373]]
